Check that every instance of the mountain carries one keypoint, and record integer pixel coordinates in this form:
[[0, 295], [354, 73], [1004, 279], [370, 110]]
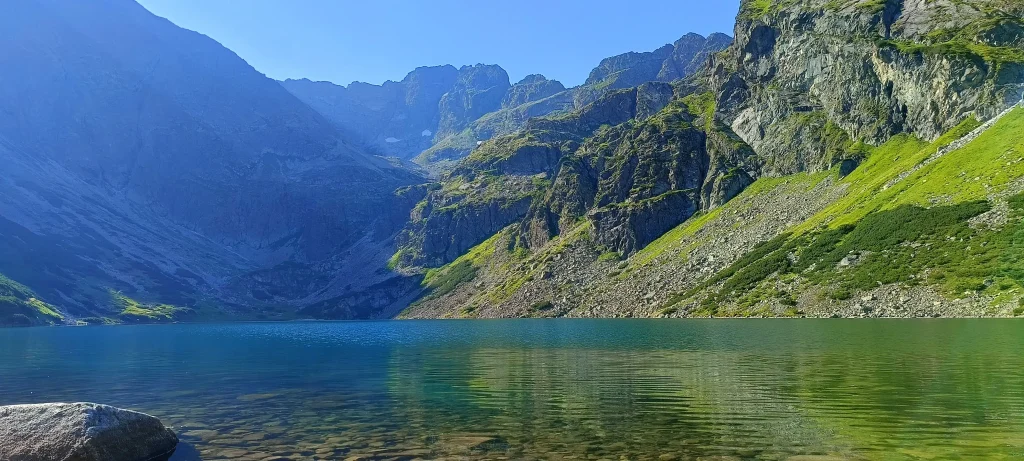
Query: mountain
[[685, 57], [858, 158], [149, 171], [851, 159], [477, 103], [397, 118]]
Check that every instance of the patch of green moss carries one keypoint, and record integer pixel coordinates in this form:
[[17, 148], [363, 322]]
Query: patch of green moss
[[957, 47], [134, 311]]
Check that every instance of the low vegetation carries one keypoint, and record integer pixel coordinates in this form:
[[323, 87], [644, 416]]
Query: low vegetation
[[19, 306], [896, 228], [132, 311]]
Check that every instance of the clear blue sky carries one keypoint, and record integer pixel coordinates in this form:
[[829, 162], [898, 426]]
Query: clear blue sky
[[376, 40]]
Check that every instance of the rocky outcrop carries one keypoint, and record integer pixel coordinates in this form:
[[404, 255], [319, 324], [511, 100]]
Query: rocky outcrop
[[82, 432], [635, 163], [690, 54], [478, 90], [502, 181], [629, 227], [666, 64], [805, 82], [531, 88]]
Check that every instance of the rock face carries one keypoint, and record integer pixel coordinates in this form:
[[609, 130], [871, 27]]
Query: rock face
[[478, 90], [531, 88], [630, 227], [805, 82], [642, 178], [635, 163], [690, 54], [82, 432], [666, 64]]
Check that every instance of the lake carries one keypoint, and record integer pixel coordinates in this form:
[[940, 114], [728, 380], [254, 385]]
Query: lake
[[548, 389]]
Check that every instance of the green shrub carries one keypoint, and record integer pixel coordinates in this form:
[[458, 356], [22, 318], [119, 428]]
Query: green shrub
[[542, 306], [1016, 202], [446, 280], [840, 294]]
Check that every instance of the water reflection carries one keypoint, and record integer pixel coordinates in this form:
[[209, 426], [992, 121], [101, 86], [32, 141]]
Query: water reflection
[[654, 390]]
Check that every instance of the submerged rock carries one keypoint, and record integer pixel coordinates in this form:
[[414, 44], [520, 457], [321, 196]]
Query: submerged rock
[[82, 432]]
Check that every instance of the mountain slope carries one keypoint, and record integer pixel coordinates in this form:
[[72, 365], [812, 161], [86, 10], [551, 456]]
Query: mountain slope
[[864, 190], [146, 159]]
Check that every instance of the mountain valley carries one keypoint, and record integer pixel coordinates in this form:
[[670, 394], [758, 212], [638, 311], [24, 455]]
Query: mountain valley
[[851, 158]]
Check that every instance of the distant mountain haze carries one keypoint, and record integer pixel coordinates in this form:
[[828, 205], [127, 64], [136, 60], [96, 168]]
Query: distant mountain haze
[[442, 113]]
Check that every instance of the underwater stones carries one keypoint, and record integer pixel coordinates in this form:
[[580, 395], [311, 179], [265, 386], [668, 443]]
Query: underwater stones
[[256, 397], [82, 432]]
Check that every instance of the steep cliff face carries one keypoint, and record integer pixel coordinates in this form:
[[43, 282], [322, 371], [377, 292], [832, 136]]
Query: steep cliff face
[[144, 158], [805, 82], [690, 54], [479, 90], [636, 180]]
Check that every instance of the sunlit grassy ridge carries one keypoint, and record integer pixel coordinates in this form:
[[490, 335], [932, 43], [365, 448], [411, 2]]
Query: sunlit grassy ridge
[[443, 280], [908, 229], [499, 255], [135, 311], [19, 306]]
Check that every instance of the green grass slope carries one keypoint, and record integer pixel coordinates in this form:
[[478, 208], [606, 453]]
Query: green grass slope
[[19, 306], [954, 224]]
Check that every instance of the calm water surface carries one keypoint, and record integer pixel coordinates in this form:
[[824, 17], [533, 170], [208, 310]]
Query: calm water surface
[[549, 389]]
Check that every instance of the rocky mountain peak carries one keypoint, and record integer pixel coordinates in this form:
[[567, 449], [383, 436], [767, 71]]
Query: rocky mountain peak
[[531, 88], [479, 89], [638, 64]]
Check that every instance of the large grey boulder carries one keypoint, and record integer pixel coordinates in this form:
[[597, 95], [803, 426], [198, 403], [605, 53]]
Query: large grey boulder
[[82, 432]]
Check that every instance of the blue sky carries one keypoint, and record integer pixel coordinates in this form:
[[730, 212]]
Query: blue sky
[[373, 41]]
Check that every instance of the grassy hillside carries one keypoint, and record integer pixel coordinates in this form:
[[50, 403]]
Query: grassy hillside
[[954, 223], [917, 229], [19, 306]]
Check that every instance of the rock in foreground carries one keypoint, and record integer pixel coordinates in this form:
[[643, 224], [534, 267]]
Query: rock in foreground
[[82, 432]]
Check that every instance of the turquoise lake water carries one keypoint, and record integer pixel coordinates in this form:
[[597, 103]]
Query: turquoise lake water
[[548, 389]]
